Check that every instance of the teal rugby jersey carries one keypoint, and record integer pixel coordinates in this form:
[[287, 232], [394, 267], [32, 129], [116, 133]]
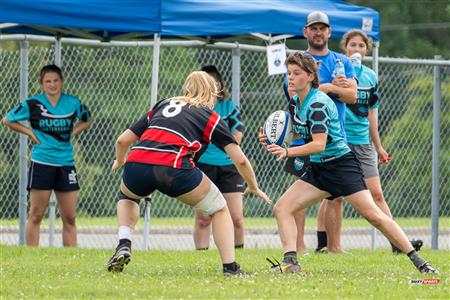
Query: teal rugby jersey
[[318, 114], [356, 115], [52, 126], [229, 112]]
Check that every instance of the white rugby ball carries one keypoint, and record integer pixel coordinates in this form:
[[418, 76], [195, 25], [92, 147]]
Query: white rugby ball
[[278, 128]]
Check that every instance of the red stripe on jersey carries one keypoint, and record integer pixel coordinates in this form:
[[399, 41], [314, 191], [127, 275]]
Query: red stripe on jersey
[[163, 136], [153, 157], [212, 122]]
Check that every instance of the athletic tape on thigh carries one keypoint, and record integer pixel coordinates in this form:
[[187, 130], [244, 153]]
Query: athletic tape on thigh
[[213, 201]]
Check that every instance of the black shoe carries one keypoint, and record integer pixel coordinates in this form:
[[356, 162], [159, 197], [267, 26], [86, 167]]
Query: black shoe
[[426, 268], [417, 245], [120, 258], [237, 272]]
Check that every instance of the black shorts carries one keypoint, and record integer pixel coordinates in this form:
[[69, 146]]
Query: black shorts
[[45, 177], [142, 179], [226, 178], [296, 165], [339, 177]]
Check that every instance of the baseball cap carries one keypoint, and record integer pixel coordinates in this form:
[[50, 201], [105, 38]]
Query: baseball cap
[[317, 17]]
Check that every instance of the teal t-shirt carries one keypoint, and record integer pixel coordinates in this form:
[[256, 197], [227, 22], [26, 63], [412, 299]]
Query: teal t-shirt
[[318, 114], [229, 112], [52, 126], [356, 115]]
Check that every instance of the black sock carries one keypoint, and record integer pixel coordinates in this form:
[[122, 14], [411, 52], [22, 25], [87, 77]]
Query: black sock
[[416, 259], [321, 239], [206, 248], [125, 242], [231, 266], [290, 257], [239, 246]]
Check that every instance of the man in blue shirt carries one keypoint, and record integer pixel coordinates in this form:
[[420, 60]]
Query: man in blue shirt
[[341, 89]]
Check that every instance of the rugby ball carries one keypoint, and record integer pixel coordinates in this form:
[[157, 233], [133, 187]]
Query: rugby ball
[[278, 128]]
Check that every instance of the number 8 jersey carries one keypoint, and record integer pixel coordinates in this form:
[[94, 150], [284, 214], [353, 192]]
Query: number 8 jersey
[[175, 134]]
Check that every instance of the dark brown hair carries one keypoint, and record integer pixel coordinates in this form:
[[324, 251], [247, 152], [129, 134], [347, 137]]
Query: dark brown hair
[[222, 92], [50, 69], [306, 62], [351, 34]]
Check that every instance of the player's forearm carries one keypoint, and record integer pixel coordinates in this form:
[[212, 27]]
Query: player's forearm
[[373, 129], [16, 126], [124, 141], [307, 149], [346, 95], [246, 170], [81, 126]]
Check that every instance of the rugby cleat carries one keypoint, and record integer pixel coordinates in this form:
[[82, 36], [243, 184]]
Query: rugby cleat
[[417, 245], [120, 258], [426, 268], [231, 273], [283, 267], [323, 250]]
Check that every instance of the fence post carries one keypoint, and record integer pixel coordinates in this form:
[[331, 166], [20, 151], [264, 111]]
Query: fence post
[[236, 75], [375, 65], [436, 150], [23, 145], [52, 203], [147, 216]]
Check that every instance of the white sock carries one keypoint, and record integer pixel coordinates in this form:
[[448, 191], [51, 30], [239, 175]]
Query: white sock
[[125, 232]]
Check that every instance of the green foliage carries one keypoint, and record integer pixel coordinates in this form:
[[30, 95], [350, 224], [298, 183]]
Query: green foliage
[[412, 131], [35, 273], [401, 38]]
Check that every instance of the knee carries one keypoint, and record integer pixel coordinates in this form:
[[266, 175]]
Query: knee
[[69, 220], [278, 210], [238, 221], [202, 221], [35, 217], [378, 197]]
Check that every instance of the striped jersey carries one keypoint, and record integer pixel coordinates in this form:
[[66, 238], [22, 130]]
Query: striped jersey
[[175, 134]]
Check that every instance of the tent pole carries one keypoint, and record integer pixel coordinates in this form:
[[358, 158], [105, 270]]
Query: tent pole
[[153, 97], [375, 69], [155, 69], [236, 75], [23, 145]]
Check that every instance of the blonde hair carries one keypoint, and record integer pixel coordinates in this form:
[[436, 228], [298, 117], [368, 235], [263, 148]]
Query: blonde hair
[[199, 89], [351, 34]]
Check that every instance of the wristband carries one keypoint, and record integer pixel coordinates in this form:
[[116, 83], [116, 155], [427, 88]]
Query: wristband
[[287, 153]]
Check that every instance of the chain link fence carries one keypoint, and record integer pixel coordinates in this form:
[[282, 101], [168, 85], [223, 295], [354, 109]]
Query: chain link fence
[[115, 83]]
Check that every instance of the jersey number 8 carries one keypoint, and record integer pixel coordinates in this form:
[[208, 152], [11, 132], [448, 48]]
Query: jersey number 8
[[173, 109]]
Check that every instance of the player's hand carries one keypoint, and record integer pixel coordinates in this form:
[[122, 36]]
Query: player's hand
[[383, 156], [259, 193], [34, 138], [262, 137], [278, 151], [116, 165], [341, 81]]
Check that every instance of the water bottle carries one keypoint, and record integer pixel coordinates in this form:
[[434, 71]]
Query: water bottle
[[356, 62], [339, 68]]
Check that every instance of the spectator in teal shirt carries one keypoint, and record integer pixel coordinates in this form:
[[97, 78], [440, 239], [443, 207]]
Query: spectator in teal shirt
[[54, 118], [217, 165]]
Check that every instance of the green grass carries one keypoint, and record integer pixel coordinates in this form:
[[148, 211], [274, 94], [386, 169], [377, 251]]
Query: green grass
[[36, 273], [249, 222]]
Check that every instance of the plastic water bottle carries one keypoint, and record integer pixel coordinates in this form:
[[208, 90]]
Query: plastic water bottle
[[339, 68], [356, 61]]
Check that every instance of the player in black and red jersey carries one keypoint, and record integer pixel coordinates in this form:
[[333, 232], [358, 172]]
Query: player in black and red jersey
[[170, 138]]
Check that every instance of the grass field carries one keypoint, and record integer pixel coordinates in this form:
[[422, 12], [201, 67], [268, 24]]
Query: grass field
[[249, 222], [36, 273]]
